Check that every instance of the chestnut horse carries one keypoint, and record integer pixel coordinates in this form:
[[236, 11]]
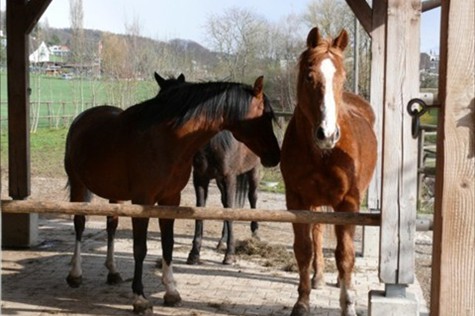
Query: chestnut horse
[[235, 168], [328, 158], [145, 154]]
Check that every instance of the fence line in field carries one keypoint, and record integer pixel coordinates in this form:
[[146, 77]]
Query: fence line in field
[[49, 114]]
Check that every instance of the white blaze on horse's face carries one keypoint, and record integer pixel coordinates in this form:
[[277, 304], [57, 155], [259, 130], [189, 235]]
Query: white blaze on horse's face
[[328, 133]]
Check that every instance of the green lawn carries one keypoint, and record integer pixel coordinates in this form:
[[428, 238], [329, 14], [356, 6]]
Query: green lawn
[[46, 150], [60, 99]]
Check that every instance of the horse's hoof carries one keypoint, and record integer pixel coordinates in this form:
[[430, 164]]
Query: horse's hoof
[[142, 306], [229, 259], [255, 235], [350, 311], [172, 299], [221, 245], [193, 259], [114, 278], [74, 282], [300, 309], [318, 283]]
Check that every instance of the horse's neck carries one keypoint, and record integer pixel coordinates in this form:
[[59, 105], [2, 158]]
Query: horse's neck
[[192, 136]]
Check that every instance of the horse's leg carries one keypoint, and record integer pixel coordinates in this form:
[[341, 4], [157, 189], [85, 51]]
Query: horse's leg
[[139, 229], [201, 191], [113, 277], [253, 180], [224, 232], [78, 193], [172, 297], [303, 254], [230, 190], [318, 279], [74, 278], [345, 260]]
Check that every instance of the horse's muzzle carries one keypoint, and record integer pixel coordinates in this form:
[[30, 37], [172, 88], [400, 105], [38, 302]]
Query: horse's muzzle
[[325, 141]]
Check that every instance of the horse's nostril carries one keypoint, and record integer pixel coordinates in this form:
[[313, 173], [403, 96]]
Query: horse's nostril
[[320, 134]]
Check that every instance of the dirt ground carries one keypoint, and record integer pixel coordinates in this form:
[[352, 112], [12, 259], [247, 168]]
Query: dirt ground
[[275, 233]]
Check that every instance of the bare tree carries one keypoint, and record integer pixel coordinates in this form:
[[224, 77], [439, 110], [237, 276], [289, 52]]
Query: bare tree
[[330, 16], [238, 34], [132, 31], [286, 42], [76, 15], [78, 53]]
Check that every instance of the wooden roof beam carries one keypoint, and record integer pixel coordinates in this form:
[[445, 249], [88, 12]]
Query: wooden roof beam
[[430, 4], [34, 10], [363, 13]]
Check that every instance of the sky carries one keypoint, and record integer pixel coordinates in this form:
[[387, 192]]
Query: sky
[[185, 19]]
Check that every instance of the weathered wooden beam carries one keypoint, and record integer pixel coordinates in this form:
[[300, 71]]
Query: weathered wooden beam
[[18, 101], [34, 11], [453, 258], [399, 180], [131, 210], [363, 13], [430, 4]]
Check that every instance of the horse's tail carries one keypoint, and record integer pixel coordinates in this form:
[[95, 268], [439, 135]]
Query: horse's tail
[[242, 189]]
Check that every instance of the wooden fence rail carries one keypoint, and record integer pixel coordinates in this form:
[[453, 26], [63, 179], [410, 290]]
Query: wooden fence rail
[[132, 210]]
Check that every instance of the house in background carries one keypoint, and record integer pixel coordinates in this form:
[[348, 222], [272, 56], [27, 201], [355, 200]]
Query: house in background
[[40, 55]]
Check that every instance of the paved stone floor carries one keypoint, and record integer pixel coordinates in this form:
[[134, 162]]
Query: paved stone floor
[[33, 280]]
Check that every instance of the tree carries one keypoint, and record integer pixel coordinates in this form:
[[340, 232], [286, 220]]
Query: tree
[[330, 16], [238, 34], [76, 15]]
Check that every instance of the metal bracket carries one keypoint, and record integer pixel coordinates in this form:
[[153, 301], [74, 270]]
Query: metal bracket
[[416, 108]]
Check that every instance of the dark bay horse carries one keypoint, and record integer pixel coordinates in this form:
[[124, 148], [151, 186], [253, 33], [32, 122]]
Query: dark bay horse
[[236, 170], [145, 154], [74, 279], [328, 158]]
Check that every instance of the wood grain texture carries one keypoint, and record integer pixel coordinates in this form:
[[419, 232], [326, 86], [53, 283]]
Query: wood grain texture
[[129, 210], [399, 161], [453, 272], [18, 101], [363, 13]]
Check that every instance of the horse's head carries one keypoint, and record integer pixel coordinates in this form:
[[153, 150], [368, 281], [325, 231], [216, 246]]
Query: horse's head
[[320, 85], [256, 130], [170, 82]]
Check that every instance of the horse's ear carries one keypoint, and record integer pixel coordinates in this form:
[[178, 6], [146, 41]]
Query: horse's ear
[[313, 38], [159, 79], [181, 78], [259, 86], [341, 41]]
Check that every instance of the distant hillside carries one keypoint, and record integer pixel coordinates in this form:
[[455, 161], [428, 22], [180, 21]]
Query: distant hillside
[[192, 49]]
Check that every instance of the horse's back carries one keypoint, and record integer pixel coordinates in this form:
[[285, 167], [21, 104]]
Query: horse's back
[[95, 115]]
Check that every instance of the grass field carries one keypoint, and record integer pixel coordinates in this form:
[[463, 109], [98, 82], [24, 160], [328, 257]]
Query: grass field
[[55, 99], [46, 150]]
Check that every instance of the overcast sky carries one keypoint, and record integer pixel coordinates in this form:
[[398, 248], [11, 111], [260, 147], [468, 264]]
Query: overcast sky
[[164, 20]]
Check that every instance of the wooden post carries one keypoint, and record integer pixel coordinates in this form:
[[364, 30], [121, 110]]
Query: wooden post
[[378, 49], [453, 257], [22, 15], [399, 159]]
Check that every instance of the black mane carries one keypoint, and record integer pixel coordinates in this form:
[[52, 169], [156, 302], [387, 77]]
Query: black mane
[[181, 103]]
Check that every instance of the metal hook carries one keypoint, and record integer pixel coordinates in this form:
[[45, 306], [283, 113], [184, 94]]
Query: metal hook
[[416, 113]]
